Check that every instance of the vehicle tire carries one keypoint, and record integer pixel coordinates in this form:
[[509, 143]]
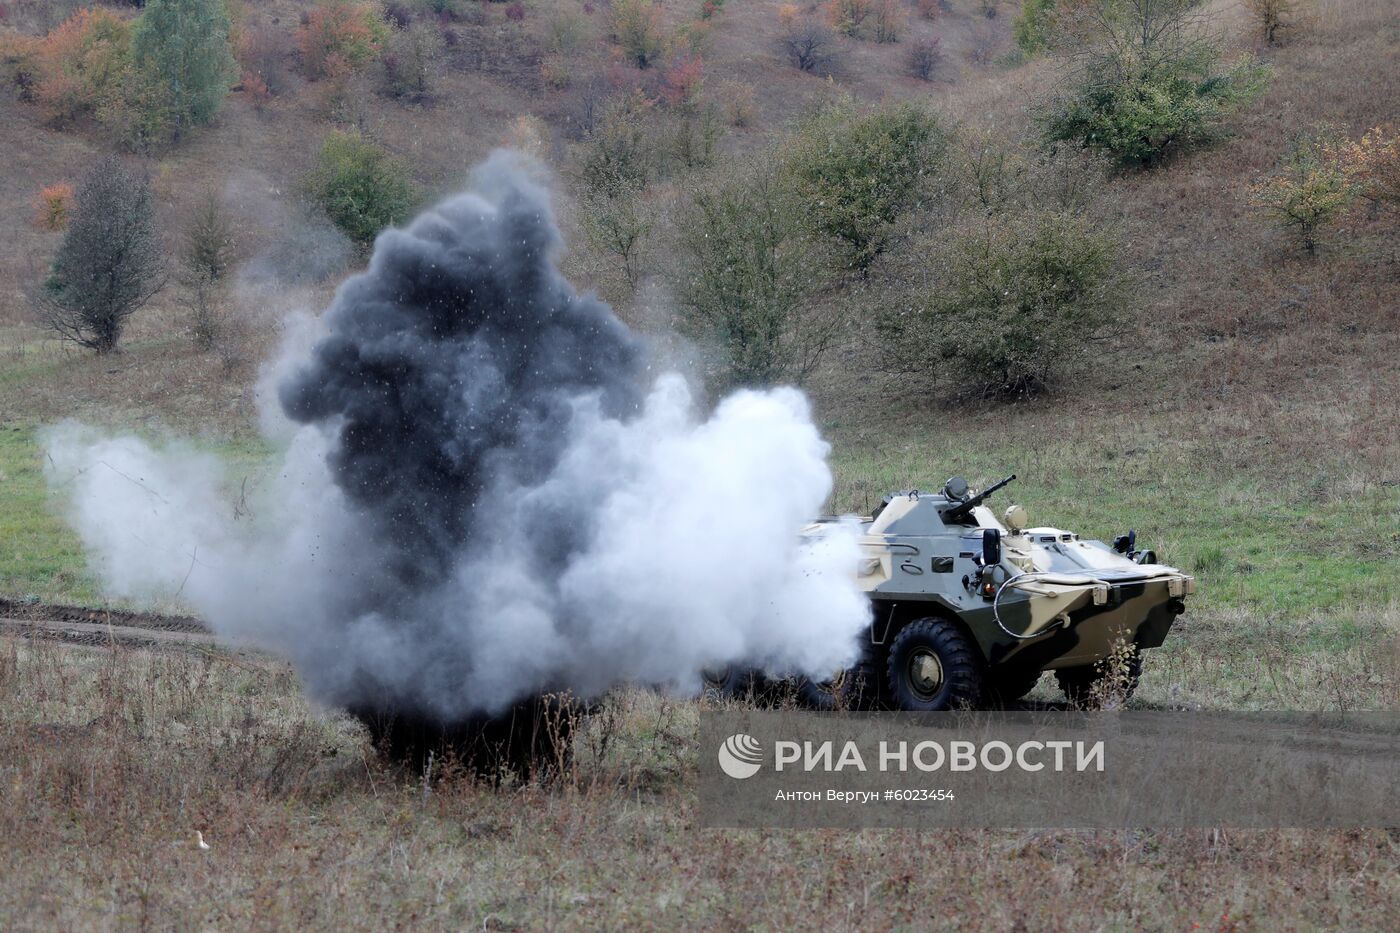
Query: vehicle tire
[[1079, 683], [729, 682], [1006, 687], [933, 666], [848, 689]]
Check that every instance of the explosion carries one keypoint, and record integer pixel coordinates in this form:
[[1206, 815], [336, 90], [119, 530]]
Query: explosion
[[486, 491]]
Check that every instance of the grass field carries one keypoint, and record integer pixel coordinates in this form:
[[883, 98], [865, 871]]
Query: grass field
[[115, 757]]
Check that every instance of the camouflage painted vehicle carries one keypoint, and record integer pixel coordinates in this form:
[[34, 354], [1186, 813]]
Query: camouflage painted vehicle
[[969, 610]]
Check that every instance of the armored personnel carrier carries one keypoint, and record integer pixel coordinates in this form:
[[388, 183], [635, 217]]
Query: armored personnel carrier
[[969, 609]]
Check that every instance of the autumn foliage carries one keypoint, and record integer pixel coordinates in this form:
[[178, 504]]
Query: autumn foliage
[[53, 207], [349, 30], [80, 65]]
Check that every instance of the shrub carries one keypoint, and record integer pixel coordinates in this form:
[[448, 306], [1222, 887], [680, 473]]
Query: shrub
[[185, 44], [205, 259], [636, 26], [208, 247], [141, 117], [53, 207], [564, 31], [890, 20], [360, 187], [1309, 192], [929, 9], [1273, 17], [711, 8], [1139, 100], [262, 54], [81, 65], [857, 174], [20, 63], [750, 277], [349, 30], [515, 11], [1372, 164], [681, 82], [809, 43], [924, 57], [108, 265], [737, 99], [848, 17], [1033, 29], [697, 131], [409, 65], [613, 159], [1011, 302]]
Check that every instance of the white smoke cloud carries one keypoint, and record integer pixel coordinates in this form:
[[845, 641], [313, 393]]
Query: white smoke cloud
[[459, 531], [697, 561]]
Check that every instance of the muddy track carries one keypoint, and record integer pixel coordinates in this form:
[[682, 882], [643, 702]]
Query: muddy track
[[43, 612], [98, 628]]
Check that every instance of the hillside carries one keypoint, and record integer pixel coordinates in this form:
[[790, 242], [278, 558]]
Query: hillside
[[1240, 414]]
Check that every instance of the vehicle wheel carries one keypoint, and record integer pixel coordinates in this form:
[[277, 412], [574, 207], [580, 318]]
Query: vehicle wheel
[[1082, 687], [933, 666], [847, 689], [1007, 687], [728, 682]]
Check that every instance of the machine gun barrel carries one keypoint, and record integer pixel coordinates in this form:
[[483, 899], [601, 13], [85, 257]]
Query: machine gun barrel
[[964, 508]]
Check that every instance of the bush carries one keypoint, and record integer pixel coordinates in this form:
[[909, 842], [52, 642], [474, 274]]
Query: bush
[[53, 207], [697, 131], [108, 265], [924, 57], [20, 64], [1011, 303], [185, 44], [1034, 28], [346, 30], [614, 167], [636, 26], [1309, 192], [1139, 101], [737, 99], [929, 9], [809, 44], [750, 277], [682, 80], [889, 21], [205, 259], [409, 65], [613, 159], [1273, 17], [859, 174], [1372, 164], [81, 65], [360, 187], [848, 17], [262, 55]]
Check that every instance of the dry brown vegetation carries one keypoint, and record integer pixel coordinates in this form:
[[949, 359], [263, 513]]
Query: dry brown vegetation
[[1250, 400], [111, 759]]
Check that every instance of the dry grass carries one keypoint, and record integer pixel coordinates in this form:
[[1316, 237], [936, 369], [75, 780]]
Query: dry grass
[[1252, 405], [113, 758]]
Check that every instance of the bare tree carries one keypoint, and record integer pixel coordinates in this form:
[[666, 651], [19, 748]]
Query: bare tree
[[1273, 16], [809, 44], [109, 263], [205, 262]]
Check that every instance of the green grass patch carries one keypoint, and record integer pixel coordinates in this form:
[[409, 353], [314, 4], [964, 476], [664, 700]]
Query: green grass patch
[[40, 555], [1253, 545]]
